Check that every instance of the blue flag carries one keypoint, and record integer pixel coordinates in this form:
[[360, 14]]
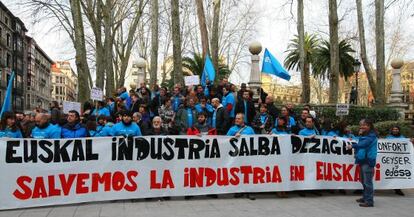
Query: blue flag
[[208, 72], [273, 67], [7, 104]]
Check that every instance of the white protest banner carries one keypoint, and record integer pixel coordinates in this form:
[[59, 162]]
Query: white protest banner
[[52, 172], [191, 80], [96, 94], [67, 106]]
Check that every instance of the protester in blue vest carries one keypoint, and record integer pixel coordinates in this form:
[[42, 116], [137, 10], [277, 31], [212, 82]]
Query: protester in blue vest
[[284, 112], [342, 130], [309, 129], [280, 126], [240, 128], [395, 133], [263, 122], [327, 129], [204, 106], [101, 110], [104, 127], [126, 127], [176, 99], [365, 157], [229, 102], [44, 129], [73, 128], [8, 126], [186, 117]]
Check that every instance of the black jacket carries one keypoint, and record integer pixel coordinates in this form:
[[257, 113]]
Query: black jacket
[[272, 110], [222, 121], [251, 111]]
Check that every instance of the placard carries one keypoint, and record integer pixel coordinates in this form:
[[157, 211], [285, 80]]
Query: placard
[[67, 106], [96, 94], [192, 80]]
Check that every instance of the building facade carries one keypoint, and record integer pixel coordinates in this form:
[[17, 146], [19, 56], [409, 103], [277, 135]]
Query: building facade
[[64, 82], [38, 85], [281, 93], [13, 56]]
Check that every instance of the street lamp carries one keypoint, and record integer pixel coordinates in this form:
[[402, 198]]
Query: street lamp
[[357, 66]]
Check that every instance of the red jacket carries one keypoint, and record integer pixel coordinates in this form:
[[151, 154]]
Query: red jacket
[[195, 131]]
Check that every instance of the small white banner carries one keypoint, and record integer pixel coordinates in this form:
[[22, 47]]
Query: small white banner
[[67, 106], [192, 80], [96, 94]]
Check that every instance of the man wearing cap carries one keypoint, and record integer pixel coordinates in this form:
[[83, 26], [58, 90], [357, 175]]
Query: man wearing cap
[[126, 127]]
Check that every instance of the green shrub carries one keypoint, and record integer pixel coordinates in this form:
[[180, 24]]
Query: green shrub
[[384, 127]]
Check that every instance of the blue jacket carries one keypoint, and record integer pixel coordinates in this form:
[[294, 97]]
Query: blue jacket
[[366, 149], [308, 132], [102, 111], [229, 99], [49, 132], [102, 131], [395, 137], [176, 102], [277, 132], [11, 134], [246, 131], [77, 131], [120, 129], [330, 133], [290, 124]]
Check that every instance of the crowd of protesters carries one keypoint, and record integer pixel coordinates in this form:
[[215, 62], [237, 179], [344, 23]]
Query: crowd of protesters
[[210, 110]]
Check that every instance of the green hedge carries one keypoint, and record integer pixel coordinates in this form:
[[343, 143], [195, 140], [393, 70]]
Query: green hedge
[[355, 113], [384, 127]]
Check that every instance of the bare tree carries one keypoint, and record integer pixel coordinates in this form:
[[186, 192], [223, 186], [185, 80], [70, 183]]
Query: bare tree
[[80, 47], [176, 39], [215, 35], [379, 42], [203, 27], [334, 51], [125, 40], [367, 65], [302, 55], [154, 43]]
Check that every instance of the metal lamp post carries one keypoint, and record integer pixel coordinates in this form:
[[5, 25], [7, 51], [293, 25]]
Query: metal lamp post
[[357, 66]]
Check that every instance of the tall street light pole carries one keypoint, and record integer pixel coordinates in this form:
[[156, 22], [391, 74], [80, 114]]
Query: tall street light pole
[[357, 66]]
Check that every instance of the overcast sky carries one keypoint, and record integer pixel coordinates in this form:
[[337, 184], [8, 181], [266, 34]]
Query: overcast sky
[[275, 29]]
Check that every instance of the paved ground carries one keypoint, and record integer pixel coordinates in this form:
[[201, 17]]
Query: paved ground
[[387, 204]]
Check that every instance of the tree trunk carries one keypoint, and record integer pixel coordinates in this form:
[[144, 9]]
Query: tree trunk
[[367, 65], [215, 36], [379, 42], [304, 70], [203, 27], [176, 38], [108, 47], [334, 52], [80, 48], [94, 15], [154, 43]]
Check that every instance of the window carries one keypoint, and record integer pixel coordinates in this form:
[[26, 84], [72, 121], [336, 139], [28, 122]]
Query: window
[[8, 39], [8, 60], [6, 20]]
